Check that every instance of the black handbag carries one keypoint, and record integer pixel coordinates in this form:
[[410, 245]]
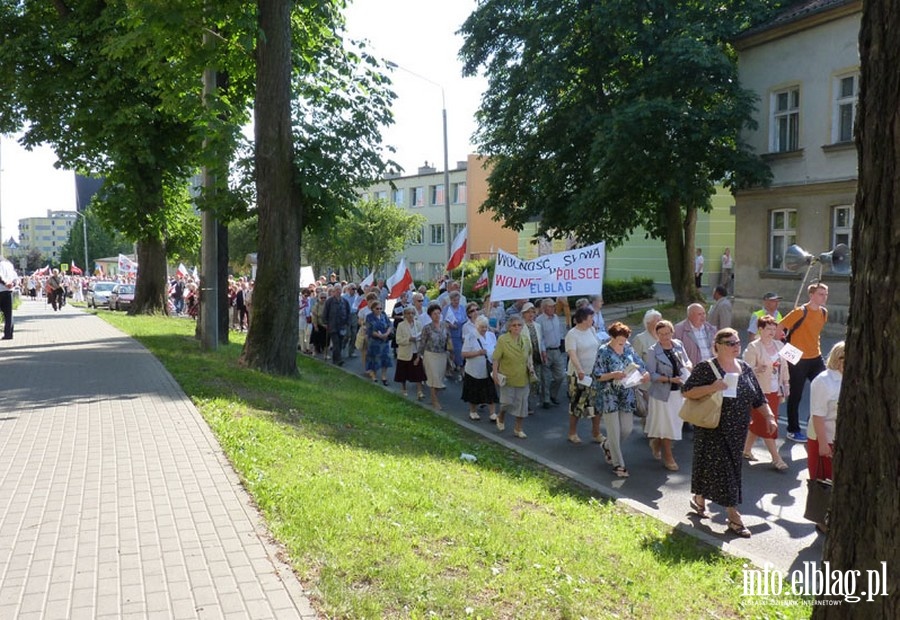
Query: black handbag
[[818, 498]]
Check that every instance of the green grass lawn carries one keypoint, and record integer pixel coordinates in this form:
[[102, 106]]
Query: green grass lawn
[[381, 518]]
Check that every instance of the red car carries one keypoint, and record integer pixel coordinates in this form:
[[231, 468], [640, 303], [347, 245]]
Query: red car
[[121, 297]]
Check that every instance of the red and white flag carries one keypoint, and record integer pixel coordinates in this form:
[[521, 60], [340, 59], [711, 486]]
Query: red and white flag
[[482, 282], [75, 269], [369, 280], [43, 272], [182, 270], [400, 282], [126, 265], [458, 249]]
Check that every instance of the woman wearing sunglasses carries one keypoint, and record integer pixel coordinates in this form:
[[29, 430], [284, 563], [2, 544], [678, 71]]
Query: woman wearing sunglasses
[[716, 467]]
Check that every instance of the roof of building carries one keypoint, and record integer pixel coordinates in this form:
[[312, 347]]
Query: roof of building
[[800, 10]]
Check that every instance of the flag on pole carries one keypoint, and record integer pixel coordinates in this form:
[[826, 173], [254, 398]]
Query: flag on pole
[[75, 269], [369, 280], [458, 249], [400, 282], [196, 275], [182, 270], [98, 269], [482, 281], [43, 272], [126, 265]]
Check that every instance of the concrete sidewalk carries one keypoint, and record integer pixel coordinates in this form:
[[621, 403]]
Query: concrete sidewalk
[[115, 498]]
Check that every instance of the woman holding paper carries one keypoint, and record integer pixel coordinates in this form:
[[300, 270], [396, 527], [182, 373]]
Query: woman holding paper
[[618, 369], [668, 365], [581, 347], [772, 374], [716, 474]]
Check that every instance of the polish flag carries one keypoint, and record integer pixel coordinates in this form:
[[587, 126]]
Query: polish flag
[[182, 270], [482, 282], [369, 280], [400, 282], [75, 269], [458, 250]]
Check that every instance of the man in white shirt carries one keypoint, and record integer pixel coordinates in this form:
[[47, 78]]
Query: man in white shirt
[[698, 268], [8, 280]]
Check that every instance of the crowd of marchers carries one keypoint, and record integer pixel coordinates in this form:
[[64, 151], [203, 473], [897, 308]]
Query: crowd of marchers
[[513, 358]]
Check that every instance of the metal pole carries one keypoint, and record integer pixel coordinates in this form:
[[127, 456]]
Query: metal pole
[[209, 281], [85, 271], [446, 183]]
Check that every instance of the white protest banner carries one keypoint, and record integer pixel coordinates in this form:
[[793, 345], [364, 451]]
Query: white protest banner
[[576, 272]]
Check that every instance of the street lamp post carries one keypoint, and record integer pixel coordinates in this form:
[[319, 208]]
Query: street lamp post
[[84, 230], [447, 236]]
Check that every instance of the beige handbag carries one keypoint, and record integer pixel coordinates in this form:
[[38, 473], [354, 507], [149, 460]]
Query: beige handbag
[[704, 412]]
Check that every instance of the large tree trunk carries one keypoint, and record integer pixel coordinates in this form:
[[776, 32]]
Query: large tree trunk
[[680, 229], [864, 528], [151, 290], [271, 345]]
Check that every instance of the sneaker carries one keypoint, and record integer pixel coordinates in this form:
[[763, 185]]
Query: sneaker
[[799, 437]]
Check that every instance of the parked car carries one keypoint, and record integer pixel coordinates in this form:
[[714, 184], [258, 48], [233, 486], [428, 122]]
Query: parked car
[[98, 294], [121, 297]]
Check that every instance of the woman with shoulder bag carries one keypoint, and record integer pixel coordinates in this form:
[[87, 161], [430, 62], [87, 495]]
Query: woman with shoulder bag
[[667, 363], [716, 474], [478, 387]]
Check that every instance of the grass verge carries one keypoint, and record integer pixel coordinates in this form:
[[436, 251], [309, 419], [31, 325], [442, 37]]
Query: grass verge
[[381, 518]]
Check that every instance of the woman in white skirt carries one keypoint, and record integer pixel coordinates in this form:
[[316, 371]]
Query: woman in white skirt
[[668, 365]]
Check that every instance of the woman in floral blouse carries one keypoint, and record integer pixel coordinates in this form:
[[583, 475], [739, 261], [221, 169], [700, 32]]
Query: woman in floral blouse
[[615, 402]]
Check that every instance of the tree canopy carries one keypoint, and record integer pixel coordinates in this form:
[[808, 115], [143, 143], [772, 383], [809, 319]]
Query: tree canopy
[[365, 236], [600, 117]]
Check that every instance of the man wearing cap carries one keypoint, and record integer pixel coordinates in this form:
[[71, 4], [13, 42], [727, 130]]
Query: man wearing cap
[[770, 308]]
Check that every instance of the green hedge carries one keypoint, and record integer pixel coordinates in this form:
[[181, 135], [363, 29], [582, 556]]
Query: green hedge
[[618, 291]]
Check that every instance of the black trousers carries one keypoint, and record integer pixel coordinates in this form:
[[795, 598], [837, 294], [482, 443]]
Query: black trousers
[[6, 309], [698, 279], [801, 372]]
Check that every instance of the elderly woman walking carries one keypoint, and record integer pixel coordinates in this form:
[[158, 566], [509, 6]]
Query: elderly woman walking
[[512, 374], [668, 365], [433, 351], [716, 474], [616, 361]]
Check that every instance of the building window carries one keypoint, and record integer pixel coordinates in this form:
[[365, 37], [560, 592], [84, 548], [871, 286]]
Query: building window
[[846, 90], [437, 270], [459, 193], [418, 270], [455, 229], [381, 195], [437, 194], [417, 197], [437, 234], [782, 235], [786, 120], [841, 225], [398, 197], [419, 236]]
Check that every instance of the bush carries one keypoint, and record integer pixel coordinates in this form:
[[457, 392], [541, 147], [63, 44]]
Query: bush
[[618, 291]]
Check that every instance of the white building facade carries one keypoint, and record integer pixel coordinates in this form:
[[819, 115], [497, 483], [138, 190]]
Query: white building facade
[[804, 67]]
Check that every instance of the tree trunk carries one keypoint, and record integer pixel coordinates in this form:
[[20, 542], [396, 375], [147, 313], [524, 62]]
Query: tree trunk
[[271, 344], [680, 229], [151, 290], [222, 246], [864, 528]]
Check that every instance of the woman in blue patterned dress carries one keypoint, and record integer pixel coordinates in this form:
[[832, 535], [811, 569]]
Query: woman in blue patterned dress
[[616, 360], [716, 467], [379, 330]]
